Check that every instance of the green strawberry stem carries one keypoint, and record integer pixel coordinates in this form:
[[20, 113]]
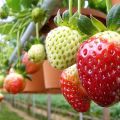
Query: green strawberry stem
[[109, 5], [18, 46], [70, 8], [37, 30], [79, 7]]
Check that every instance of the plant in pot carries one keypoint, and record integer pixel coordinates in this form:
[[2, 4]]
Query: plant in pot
[[97, 57], [22, 17], [35, 56], [58, 49]]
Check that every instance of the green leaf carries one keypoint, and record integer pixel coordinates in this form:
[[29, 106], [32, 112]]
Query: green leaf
[[14, 4], [73, 22], [5, 28], [98, 24], [65, 15], [74, 17], [28, 77], [24, 13], [113, 17], [58, 20], [85, 25], [18, 5], [26, 3]]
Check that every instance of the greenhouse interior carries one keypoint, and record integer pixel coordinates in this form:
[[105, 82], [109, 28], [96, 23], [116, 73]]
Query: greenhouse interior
[[60, 59]]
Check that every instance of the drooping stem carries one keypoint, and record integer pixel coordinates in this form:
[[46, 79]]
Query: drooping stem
[[70, 8], [109, 5], [79, 7], [18, 46], [37, 30]]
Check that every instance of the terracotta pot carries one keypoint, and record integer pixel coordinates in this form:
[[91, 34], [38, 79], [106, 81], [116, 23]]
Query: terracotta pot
[[51, 77], [115, 1], [37, 84]]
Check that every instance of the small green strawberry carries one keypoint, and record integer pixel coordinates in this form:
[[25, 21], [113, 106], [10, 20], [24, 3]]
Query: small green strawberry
[[38, 14], [36, 53]]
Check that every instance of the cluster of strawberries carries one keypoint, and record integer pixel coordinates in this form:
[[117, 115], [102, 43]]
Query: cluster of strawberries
[[95, 74], [87, 51]]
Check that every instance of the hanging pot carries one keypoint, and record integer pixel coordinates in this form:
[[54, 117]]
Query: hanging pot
[[51, 77], [37, 84]]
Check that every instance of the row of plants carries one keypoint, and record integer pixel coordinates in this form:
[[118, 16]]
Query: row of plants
[[6, 113], [59, 102]]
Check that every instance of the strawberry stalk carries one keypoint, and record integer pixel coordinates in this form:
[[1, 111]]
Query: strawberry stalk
[[37, 30], [70, 8], [79, 8], [109, 5], [18, 46]]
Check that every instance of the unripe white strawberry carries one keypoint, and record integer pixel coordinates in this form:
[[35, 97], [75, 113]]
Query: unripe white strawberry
[[61, 46], [36, 53], [38, 14]]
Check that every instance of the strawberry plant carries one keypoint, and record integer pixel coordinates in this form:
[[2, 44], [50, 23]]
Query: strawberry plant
[[15, 81], [36, 53]]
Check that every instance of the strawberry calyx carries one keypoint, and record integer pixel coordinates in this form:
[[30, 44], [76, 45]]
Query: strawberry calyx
[[20, 69], [91, 26], [31, 42], [68, 18], [65, 20]]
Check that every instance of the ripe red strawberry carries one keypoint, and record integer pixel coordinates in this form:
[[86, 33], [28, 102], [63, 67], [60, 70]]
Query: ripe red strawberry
[[98, 63], [73, 91], [14, 83], [29, 65]]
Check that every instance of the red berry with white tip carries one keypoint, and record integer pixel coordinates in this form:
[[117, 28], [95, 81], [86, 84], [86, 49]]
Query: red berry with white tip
[[73, 91]]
